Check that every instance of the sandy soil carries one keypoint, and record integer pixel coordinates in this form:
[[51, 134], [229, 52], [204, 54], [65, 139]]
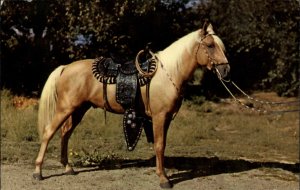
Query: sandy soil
[[17, 177]]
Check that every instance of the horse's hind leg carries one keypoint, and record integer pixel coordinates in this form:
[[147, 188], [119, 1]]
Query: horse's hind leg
[[49, 131], [66, 132]]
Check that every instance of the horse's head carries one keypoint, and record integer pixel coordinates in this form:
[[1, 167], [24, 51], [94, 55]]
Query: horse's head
[[210, 52]]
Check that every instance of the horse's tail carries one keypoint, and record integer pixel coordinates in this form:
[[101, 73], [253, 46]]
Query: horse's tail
[[47, 103]]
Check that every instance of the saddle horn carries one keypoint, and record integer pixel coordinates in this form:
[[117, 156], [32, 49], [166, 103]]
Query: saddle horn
[[151, 70]]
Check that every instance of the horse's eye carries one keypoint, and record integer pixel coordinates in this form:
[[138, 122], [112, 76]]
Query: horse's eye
[[210, 45]]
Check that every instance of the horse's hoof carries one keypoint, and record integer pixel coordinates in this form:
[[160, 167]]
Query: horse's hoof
[[166, 185], [70, 172], [37, 176]]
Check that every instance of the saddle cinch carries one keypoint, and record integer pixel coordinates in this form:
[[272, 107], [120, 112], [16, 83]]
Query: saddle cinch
[[128, 78]]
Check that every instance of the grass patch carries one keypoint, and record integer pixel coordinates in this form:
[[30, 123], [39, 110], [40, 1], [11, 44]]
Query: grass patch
[[17, 125]]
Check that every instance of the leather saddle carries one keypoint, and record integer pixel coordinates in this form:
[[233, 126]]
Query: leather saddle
[[128, 80], [106, 70]]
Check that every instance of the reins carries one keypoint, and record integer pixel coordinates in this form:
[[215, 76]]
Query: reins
[[263, 111]]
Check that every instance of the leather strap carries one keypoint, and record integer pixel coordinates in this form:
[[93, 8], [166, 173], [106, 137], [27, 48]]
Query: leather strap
[[148, 110], [106, 103]]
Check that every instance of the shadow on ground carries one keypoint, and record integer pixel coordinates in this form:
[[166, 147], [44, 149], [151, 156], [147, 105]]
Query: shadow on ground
[[191, 167]]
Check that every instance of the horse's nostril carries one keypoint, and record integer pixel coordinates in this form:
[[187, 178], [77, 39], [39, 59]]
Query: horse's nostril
[[224, 71], [227, 69]]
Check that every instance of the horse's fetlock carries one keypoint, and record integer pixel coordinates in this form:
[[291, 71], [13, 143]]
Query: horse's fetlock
[[38, 163]]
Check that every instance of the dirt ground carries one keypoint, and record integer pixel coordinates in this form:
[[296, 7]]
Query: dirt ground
[[142, 175]]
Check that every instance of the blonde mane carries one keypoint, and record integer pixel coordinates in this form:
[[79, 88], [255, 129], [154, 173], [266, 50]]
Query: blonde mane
[[172, 56]]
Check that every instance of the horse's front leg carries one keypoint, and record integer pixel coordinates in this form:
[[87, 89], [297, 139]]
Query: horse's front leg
[[161, 124]]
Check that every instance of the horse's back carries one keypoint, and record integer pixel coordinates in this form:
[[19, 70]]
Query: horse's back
[[81, 65], [83, 61]]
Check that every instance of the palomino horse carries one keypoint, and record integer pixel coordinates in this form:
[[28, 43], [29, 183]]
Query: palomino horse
[[72, 89]]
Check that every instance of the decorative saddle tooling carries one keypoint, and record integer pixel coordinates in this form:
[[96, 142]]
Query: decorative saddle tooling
[[128, 78]]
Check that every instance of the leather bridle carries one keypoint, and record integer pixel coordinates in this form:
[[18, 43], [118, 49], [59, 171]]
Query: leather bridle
[[212, 61]]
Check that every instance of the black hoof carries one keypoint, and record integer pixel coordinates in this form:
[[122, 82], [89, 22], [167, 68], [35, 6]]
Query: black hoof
[[37, 176], [166, 185]]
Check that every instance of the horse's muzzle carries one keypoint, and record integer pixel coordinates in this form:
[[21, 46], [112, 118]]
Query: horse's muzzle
[[223, 71]]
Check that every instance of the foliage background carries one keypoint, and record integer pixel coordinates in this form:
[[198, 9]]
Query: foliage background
[[261, 36]]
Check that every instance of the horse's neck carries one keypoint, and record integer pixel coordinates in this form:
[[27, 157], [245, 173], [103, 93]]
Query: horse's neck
[[179, 61]]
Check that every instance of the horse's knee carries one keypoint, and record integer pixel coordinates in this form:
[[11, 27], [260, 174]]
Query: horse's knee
[[159, 146]]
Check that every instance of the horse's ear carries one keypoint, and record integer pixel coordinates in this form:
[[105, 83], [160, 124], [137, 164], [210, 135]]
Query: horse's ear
[[205, 26], [209, 29]]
